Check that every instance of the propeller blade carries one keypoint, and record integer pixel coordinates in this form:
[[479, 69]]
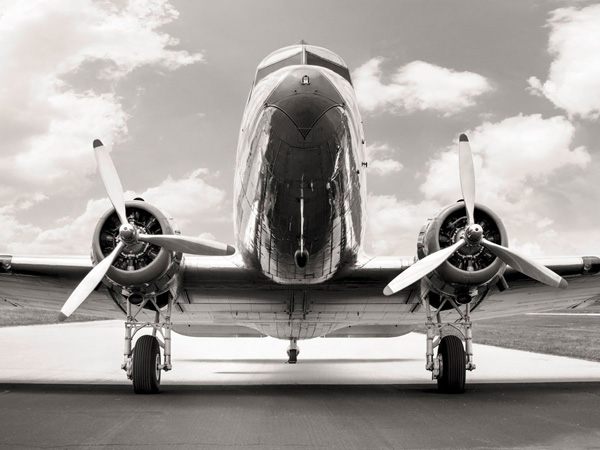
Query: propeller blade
[[526, 266], [88, 284], [110, 178], [421, 268], [467, 176], [185, 244]]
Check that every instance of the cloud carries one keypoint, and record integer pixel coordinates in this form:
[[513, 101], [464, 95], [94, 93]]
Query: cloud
[[385, 166], [515, 160], [417, 86], [187, 199], [393, 225], [379, 166], [11, 230], [573, 82], [510, 157], [47, 125]]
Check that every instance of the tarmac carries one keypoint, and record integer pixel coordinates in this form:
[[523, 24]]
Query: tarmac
[[61, 386], [91, 353]]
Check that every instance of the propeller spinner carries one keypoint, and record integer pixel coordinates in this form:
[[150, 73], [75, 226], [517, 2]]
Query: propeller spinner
[[472, 236], [129, 235]]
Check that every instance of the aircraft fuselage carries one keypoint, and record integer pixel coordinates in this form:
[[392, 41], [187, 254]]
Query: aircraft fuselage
[[300, 184]]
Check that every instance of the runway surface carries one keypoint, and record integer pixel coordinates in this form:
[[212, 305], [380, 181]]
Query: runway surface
[[92, 353], [560, 416], [61, 387]]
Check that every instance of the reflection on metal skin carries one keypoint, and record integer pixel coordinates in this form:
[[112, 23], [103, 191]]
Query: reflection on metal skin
[[298, 185]]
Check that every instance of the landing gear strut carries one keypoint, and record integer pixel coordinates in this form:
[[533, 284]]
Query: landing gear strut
[[452, 361], [143, 364], [293, 351]]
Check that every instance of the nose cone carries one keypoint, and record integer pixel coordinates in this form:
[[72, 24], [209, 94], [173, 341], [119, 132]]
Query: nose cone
[[302, 99]]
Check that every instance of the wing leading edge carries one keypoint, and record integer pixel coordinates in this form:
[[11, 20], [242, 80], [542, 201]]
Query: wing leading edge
[[221, 291]]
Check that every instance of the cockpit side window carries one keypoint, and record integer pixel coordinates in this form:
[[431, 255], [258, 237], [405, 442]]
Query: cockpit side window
[[290, 61], [315, 60]]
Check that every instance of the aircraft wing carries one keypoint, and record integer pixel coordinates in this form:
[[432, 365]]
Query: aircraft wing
[[45, 282], [524, 295], [217, 287], [223, 292]]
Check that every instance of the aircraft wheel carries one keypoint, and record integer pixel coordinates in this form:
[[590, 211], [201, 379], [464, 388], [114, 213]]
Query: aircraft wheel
[[146, 361], [292, 356], [451, 356]]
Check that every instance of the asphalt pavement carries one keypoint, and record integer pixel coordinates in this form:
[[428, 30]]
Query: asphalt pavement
[[61, 388]]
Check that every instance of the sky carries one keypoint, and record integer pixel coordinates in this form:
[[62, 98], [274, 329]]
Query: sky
[[164, 83]]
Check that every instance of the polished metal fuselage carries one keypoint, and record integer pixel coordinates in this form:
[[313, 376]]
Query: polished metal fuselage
[[299, 182]]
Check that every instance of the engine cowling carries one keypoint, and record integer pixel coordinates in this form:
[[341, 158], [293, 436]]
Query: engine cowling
[[464, 247], [471, 266], [142, 268]]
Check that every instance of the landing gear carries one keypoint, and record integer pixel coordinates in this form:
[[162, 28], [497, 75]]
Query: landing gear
[[452, 361], [293, 351], [146, 365], [292, 356], [143, 364]]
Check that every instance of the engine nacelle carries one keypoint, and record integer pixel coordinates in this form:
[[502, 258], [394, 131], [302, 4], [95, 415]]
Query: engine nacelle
[[469, 267], [141, 268]]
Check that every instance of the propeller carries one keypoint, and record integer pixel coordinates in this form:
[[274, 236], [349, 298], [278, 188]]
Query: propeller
[[421, 268], [183, 244], [467, 176], [110, 178], [472, 236], [129, 235], [89, 283]]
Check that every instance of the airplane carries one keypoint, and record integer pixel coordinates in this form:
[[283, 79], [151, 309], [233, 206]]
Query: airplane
[[298, 270]]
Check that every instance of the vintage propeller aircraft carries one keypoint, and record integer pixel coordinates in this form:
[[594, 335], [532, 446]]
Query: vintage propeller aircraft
[[298, 270]]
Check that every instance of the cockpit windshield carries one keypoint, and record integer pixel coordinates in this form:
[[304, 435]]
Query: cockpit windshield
[[302, 54]]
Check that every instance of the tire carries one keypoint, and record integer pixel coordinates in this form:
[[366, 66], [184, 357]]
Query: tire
[[292, 356], [146, 357], [453, 365]]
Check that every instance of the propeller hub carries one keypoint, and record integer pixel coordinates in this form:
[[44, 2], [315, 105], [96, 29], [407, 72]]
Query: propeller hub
[[128, 233], [473, 234]]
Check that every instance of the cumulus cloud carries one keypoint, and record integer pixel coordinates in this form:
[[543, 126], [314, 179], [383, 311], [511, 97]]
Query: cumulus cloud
[[509, 156], [186, 199], [385, 166], [417, 86], [393, 225], [47, 125], [514, 160], [573, 82], [380, 165]]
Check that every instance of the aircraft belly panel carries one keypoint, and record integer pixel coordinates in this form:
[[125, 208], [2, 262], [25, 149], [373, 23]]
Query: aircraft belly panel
[[289, 313]]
